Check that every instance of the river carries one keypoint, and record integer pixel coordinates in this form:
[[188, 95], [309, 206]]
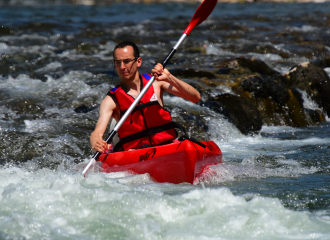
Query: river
[[56, 58]]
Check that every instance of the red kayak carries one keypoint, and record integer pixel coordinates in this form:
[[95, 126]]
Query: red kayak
[[177, 162]]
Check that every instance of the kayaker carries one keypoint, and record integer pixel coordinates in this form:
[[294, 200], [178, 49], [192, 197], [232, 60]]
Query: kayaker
[[150, 114]]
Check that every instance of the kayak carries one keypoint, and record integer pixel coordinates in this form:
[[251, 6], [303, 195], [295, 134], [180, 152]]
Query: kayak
[[177, 162]]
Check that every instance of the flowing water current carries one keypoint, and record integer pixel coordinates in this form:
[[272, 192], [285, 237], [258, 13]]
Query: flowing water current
[[55, 68]]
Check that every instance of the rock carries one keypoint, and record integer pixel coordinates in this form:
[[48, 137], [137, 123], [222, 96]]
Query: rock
[[217, 107], [192, 73], [27, 107], [256, 65], [243, 65], [85, 109], [295, 112], [274, 96], [225, 70], [240, 111], [323, 63], [193, 123], [266, 87], [312, 79], [315, 115]]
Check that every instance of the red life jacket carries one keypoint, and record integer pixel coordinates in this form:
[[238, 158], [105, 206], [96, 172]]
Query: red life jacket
[[149, 123]]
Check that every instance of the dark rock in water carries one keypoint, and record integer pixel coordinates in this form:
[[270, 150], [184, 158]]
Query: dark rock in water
[[192, 73], [244, 65], [312, 79], [257, 66], [266, 87], [217, 107], [193, 123], [26, 108], [323, 63], [241, 112], [315, 115], [224, 70], [85, 109], [228, 64], [277, 104], [4, 31], [276, 96]]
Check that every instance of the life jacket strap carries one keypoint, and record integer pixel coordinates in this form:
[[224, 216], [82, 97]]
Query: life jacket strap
[[194, 140], [141, 106], [148, 132], [151, 131]]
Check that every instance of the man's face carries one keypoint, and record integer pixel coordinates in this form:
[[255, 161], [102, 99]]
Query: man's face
[[125, 63]]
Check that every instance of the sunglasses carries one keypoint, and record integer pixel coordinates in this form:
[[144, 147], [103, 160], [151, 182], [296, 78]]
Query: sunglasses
[[126, 61]]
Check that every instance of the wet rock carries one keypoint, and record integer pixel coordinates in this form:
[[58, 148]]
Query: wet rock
[[192, 73], [323, 63], [193, 123], [276, 96], [5, 30], [244, 65], [217, 107], [225, 70], [266, 87], [256, 65], [277, 104], [295, 112], [312, 79], [28, 109], [288, 111], [85, 109], [240, 111], [315, 115], [230, 66]]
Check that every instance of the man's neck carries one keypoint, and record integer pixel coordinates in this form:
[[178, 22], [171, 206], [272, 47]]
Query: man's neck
[[132, 85]]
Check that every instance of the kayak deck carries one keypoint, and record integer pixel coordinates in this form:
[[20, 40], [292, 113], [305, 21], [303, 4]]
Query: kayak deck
[[181, 161]]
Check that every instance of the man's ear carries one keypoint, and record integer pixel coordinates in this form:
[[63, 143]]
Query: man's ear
[[139, 62]]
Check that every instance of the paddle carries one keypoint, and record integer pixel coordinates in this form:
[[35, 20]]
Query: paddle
[[203, 11]]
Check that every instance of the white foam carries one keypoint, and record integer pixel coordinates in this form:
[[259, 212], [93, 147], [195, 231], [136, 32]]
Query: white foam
[[53, 66], [266, 57], [212, 49], [305, 28], [54, 204], [36, 125], [327, 70]]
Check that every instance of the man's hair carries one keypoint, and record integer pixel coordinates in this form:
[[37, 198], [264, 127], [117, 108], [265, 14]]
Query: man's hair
[[136, 51]]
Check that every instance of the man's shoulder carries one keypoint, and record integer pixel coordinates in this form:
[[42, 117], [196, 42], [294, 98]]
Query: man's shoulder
[[111, 97], [113, 91]]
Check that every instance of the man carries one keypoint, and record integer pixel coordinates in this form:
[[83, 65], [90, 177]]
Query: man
[[127, 62]]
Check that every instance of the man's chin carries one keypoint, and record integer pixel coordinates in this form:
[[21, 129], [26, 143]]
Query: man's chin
[[125, 76]]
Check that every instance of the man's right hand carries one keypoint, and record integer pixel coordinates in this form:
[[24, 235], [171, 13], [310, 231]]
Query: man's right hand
[[101, 146]]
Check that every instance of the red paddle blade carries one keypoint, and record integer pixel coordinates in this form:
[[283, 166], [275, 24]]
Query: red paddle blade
[[203, 11]]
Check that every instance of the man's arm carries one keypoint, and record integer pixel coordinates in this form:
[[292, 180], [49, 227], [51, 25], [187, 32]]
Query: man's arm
[[174, 85], [107, 109]]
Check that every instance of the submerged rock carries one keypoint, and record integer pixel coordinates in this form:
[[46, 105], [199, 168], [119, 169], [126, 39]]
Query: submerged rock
[[312, 79], [266, 97], [85, 109], [266, 87], [255, 65], [243, 65], [192, 73], [192, 122], [240, 111]]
